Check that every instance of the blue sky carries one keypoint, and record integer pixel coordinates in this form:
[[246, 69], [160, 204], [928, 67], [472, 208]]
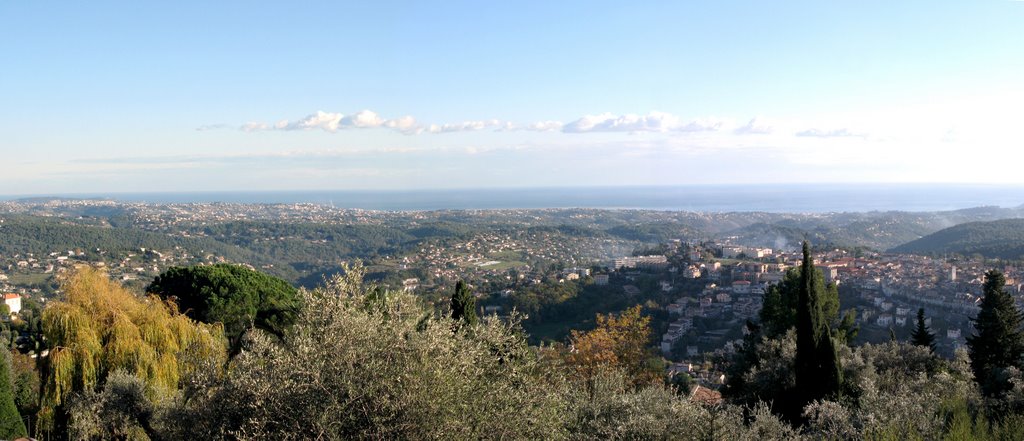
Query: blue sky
[[127, 96]]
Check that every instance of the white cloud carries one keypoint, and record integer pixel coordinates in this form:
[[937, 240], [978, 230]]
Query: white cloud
[[832, 133], [756, 126], [254, 126], [466, 126], [362, 120], [545, 126], [405, 124], [652, 122], [320, 120]]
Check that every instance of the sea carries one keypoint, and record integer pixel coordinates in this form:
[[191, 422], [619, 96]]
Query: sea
[[803, 198]]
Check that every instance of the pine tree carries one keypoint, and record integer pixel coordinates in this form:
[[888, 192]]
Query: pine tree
[[923, 336], [11, 425], [999, 342], [818, 373], [463, 304]]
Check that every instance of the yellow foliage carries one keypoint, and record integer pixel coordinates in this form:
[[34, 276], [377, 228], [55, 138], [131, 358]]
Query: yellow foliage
[[100, 326], [618, 342]]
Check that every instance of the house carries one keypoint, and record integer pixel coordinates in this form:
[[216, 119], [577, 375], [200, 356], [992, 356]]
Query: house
[[13, 302], [600, 279]]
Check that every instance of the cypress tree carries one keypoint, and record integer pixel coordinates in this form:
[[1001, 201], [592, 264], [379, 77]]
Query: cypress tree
[[923, 336], [463, 304], [11, 425], [818, 373], [999, 342]]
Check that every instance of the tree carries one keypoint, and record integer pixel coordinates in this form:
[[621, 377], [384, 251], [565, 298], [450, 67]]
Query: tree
[[817, 367], [778, 313], [236, 296], [463, 305], [11, 425], [99, 327], [923, 336], [362, 364], [616, 343], [999, 341]]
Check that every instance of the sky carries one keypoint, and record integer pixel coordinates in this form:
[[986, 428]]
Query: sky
[[112, 96]]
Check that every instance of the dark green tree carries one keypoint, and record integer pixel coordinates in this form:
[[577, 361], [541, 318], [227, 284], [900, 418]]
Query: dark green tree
[[238, 297], [463, 304], [923, 336], [817, 368], [11, 425], [778, 313], [999, 342]]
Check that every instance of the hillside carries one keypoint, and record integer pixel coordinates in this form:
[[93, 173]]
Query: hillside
[[1003, 239]]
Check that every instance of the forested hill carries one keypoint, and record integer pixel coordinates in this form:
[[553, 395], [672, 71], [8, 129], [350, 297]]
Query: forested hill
[[1003, 239], [39, 236]]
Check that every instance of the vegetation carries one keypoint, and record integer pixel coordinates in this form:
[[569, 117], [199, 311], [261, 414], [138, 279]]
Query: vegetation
[[1000, 239], [40, 236], [463, 305], [999, 342], [11, 425], [99, 328], [817, 368], [355, 360], [922, 336], [619, 343], [237, 297]]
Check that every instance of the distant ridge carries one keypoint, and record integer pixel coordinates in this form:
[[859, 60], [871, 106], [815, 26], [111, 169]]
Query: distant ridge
[[1002, 239]]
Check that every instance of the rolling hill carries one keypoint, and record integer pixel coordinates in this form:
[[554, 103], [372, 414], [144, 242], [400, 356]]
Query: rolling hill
[[1002, 239]]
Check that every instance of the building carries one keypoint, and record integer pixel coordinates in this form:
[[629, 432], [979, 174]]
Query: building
[[13, 302], [640, 262], [601, 279]]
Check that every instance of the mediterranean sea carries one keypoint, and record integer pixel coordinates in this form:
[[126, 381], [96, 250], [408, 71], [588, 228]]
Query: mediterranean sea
[[710, 198]]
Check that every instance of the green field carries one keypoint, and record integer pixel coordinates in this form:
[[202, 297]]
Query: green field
[[30, 279]]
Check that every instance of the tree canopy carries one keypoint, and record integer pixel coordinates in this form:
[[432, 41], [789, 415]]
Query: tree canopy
[[999, 341], [463, 304], [234, 295], [99, 327], [922, 335], [817, 367]]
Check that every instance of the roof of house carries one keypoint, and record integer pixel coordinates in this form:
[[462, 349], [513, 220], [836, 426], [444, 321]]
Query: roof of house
[[11, 295], [704, 395]]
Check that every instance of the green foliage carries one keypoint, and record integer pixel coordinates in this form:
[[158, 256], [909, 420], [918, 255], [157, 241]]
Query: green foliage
[[40, 236], [779, 311], [236, 296], [121, 410], [358, 368], [11, 425], [922, 336], [999, 341], [463, 305], [817, 368], [26, 384], [1002, 239]]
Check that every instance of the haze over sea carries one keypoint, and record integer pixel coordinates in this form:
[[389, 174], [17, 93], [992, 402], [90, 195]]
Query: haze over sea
[[802, 198]]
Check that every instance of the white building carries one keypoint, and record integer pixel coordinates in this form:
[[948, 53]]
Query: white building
[[13, 302]]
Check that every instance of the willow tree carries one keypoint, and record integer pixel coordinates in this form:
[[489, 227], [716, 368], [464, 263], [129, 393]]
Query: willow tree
[[99, 327]]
